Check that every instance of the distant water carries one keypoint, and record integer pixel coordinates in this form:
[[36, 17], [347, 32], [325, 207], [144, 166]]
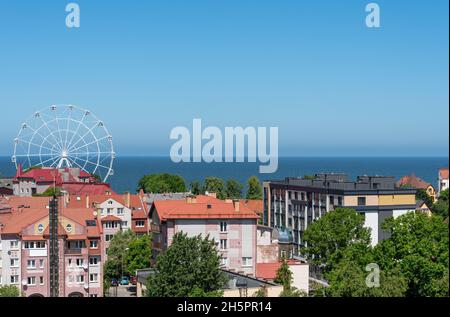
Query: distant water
[[128, 170]]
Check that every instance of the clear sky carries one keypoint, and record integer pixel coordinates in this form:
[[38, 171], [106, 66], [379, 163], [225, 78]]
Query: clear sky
[[312, 68]]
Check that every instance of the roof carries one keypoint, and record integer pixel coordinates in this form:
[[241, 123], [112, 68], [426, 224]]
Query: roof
[[443, 173], [413, 181], [268, 271], [257, 205], [53, 175], [86, 188], [111, 218], [201, 207]]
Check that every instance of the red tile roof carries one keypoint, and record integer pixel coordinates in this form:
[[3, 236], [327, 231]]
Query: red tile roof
[[86, 189], [268, 271], [256, 205], [443, 173], [413, 181], [203, 207], [111, 218]]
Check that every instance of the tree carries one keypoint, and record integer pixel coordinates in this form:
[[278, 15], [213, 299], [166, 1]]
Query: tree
[[328, 237], [190, 267], [117, 264], [139, 254], [50, 192], [234, 189], [196, 187], [421, 194], [9, 291], [284, 276], [215, 185], [162, 183], [440, 208], [418, 246], [254, 188]]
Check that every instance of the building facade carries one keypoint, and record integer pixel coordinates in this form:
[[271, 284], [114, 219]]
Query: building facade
[[443, 179], [294, 203], [231, 225]]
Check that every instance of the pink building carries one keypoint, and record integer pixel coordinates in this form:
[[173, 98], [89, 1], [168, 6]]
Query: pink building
[[231, 224]]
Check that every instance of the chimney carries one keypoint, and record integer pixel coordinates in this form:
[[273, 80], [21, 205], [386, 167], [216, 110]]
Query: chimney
[[87, 201], [213, 195], [236, 205], [128, 199], [191, 199]]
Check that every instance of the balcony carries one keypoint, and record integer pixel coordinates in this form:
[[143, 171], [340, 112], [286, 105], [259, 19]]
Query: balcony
[[73, 251]]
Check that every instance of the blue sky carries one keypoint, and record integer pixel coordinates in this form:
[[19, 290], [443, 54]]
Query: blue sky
[[311, 68]]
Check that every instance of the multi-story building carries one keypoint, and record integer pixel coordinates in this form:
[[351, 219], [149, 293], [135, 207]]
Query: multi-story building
[[72, 180], [231, 224], [86, 227], [415, 182], [443, 179], [294, 203]]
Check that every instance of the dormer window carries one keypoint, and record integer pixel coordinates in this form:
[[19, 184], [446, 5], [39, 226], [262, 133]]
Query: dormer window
[[69, 228], [40, 228]]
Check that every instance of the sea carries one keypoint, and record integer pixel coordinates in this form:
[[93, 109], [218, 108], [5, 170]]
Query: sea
[[128, 170]]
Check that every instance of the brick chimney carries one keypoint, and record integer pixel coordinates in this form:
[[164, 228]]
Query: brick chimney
[[128, 199], [191, 199], [236, 205], [87, 201]]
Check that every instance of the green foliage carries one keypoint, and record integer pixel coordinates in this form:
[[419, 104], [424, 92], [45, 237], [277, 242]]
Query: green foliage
[[261, 292], [234, 189], [50, 192], [196, 187], [293, 292], [284, 276], [309, 177], [254, 188], [421, 194], [215, 185], [162, 183], [418, 246], [139, 254], [9, 291], [328, 237], [190, 267], [117, 254], [440, 207]]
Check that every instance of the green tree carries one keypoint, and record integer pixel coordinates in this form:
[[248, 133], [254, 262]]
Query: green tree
[[117, 264], [196, 187], [284, 276], [418, 246], [190, 267], [162, 183], [440, 207], [421, 194], [215, 185], [9, 291], [328, 237], [234, 189], [254, 188], [138, 254], [50, 192]]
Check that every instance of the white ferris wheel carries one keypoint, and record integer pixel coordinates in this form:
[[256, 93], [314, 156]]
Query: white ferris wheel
[[63, 136]]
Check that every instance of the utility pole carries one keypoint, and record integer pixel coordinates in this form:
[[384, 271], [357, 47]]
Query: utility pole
[[54, 247]]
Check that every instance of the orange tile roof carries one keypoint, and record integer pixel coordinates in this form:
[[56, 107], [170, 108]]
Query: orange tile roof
[[443, 173], [268, 271], [111, 218], [204, 207], [413, 181], [257, 205]]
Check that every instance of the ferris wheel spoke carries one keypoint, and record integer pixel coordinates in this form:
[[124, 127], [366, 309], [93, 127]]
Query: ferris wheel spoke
[[50, 131], [68, 125], [80, 123], [59, 130], [93, 163], [93, 142], [86, 134], [49, 160], [37, 145], [36, 132]]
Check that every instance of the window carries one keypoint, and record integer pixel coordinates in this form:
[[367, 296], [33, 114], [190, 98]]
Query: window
[[14, 262], [93, 244], [361, 201], [40, 228], [124, 223], [41, 264], [140, 223], [14, 245], [31, 264], [80, 262], [120, 211], [77, 244], [93, 277], [111, 224], [14, 279], [41, 280], [223, 244], [109, 211], [34, 245], [93, 261], [247, 261], [224, 261], [31, 280], [109, 237], [69, 228], [80, 279], [223, 226]]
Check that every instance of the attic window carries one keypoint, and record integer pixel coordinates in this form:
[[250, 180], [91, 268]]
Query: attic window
[[209, 206], [40, 228], [91, 223], [69, 228]]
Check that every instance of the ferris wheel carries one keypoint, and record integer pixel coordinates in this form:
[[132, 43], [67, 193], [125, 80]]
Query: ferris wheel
[[65, 136]]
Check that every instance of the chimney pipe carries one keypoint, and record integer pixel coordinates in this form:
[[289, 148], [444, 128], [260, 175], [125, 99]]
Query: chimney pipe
[[236, 205], [87, 201]]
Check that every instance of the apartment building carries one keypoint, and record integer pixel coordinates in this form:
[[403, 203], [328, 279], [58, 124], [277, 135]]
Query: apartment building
[[294, 203], [230, 223], [86, 227], [442, 179]]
